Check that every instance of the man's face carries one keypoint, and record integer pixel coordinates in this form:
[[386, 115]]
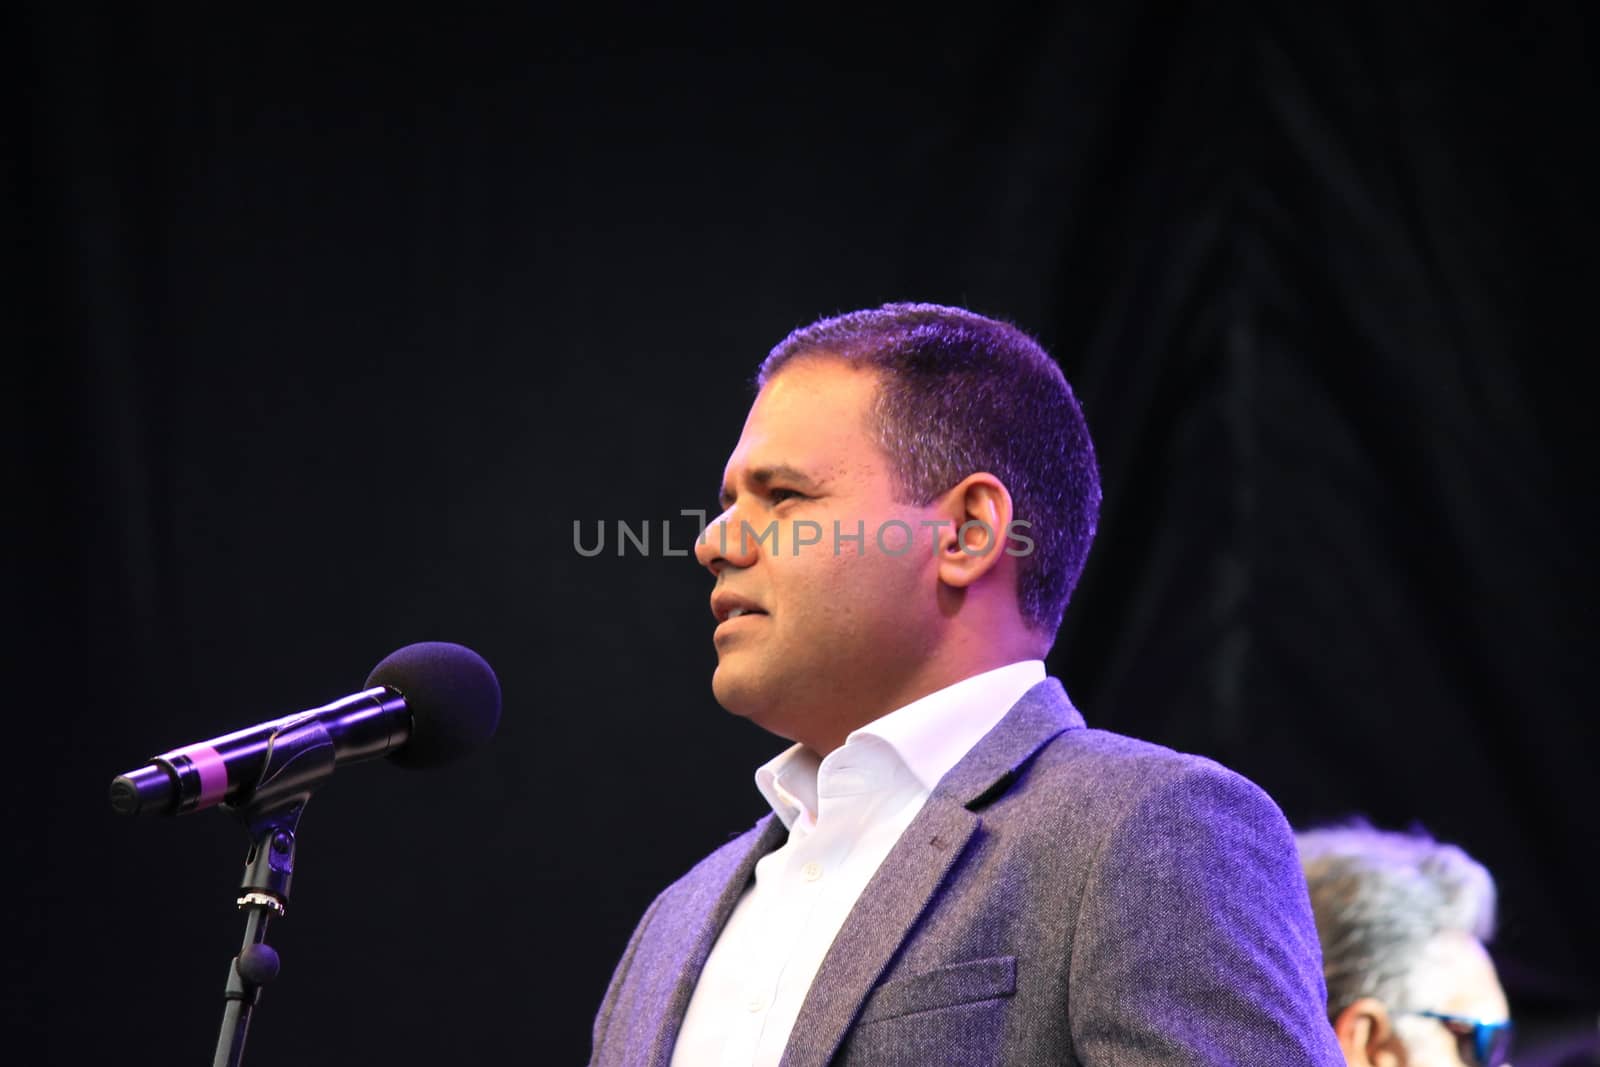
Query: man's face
[[837, 630], [1454, 976]]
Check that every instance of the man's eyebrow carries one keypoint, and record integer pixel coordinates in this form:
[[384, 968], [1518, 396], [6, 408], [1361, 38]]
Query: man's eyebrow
[[766, 475]]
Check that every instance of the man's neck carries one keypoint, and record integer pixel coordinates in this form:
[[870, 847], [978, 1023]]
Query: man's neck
[[832, 731]]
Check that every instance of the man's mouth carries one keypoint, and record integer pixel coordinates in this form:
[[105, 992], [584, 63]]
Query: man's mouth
[[727, 605]]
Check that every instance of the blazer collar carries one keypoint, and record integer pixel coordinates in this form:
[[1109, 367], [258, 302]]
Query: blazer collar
[[911, 874], [1043, 712]]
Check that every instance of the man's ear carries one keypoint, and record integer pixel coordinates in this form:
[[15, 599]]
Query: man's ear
[[1366, 1034], [978, 510]]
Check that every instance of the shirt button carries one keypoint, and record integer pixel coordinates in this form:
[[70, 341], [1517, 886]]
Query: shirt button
[[812, 871], [755, 1003]]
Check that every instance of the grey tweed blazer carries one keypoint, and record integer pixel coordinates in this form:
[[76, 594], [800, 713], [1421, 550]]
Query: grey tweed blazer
[[1066, 896]]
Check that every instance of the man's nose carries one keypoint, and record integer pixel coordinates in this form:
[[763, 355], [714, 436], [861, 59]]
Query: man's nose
[[725, 542]]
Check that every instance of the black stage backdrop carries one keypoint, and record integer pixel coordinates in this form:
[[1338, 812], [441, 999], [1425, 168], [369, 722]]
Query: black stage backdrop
[[327, 329]]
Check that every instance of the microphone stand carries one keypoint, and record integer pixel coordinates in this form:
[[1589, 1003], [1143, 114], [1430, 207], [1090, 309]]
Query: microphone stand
[[299, 757]]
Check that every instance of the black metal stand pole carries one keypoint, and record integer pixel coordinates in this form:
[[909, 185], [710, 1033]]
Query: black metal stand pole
[[245, 980], [271, 861], [299, 758]]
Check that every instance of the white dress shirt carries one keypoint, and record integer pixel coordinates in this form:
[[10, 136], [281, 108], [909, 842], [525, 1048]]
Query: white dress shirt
[[844, 814]]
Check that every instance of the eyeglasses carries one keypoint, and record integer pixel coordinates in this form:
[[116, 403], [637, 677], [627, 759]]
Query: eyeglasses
[[1483, 1043]]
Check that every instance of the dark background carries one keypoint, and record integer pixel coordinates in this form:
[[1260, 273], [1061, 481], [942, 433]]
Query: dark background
[[325, 329]]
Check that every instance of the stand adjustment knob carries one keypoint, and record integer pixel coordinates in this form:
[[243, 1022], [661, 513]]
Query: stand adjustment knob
[[258, 964]]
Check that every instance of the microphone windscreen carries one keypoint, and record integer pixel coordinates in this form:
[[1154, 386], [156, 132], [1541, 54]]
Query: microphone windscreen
[[453, 697]]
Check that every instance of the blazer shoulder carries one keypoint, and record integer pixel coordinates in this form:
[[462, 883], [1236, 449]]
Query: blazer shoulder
[[1189, 872], [1117, 756], [1112, 776]]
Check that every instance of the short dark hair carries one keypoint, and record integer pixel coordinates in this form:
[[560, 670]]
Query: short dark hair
[[960, 393]]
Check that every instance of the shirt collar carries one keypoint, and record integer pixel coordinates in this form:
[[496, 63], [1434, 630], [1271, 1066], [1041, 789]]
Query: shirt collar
[[929, 735], [789, 782]]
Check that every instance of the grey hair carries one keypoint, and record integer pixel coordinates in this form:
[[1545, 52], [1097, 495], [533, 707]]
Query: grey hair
[[1379, 898]]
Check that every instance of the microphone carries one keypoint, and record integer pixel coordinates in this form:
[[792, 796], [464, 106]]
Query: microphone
[[425, 705]]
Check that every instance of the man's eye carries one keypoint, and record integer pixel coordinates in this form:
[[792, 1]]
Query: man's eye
[[777, 496]]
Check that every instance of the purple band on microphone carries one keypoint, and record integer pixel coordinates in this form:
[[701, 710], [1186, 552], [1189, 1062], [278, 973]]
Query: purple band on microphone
[[213, 771]]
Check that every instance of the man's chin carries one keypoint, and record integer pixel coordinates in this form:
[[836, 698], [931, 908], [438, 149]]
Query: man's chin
[[734, 689], [745, 693]]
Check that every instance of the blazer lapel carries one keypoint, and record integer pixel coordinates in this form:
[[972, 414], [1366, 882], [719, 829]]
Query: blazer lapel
[[888, 907], [720, 889], [908, 881]]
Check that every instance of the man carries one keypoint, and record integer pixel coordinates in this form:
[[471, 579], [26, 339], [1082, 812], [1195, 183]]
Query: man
[[1403, 921], [956, 870]]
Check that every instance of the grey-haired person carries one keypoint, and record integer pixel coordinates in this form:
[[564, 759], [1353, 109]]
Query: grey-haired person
[[1403, 921]]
